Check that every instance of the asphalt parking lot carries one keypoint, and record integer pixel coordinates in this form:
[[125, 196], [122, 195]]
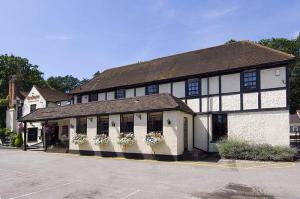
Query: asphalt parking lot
[[37, 175]]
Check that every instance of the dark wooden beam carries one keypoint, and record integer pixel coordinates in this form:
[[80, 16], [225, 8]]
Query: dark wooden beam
[[25, 137], [45, 136]]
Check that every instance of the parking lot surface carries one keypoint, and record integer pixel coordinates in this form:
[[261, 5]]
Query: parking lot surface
[[33, 174]]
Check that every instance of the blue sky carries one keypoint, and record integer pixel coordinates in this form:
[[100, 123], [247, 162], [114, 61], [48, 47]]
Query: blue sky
[[80, 37]]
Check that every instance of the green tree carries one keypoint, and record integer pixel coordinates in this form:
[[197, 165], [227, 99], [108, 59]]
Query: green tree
[[63, 83], [26, 74]]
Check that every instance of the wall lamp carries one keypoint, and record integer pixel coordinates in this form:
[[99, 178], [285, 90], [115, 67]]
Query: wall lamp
[[113, 123], [91, 119], [139, 116], [72, 126], [169, 121]]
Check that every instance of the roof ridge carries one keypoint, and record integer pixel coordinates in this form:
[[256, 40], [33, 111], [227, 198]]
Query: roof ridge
[[268, 48]]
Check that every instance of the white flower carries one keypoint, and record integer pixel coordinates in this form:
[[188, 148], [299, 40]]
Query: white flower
[[101, 139], [79, 139], [154, 138], [126, 139]]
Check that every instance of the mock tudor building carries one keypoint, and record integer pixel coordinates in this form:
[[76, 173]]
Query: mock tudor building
[[23, 103], [194, 99]]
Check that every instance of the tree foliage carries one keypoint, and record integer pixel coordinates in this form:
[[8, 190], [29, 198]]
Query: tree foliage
[[27, 74], [64, 83]]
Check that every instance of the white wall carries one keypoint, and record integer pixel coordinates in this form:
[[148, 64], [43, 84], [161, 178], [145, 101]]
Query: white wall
[[179, 89], [270, 127], [165, 88], [273, 99], [204, 86], [231, 102], [85, 99], [214, 85], [213, 104], [230, 83], [250, 101], [140, 91], [273, 78], [194, 104], [129, 92], [110, 95], [101, 97], [172, 132], [38, 100]]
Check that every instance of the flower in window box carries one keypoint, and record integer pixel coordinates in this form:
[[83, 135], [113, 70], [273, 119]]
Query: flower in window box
[[101, 139], [126, 139], [79, 139], [154, 138]]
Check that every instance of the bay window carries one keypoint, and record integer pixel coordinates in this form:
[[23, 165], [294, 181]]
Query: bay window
[[127, 123], [155, 122], [81, 125]]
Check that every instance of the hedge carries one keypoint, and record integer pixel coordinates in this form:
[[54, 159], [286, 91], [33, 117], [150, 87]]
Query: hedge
[[242, 150]]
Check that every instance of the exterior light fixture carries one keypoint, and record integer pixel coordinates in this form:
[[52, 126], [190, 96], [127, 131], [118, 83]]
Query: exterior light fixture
[[139, 116], [91, 119], [72, 126], [169, 121], [113, 123]]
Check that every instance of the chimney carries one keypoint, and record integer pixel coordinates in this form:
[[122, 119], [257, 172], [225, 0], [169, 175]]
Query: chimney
[[12, 91]]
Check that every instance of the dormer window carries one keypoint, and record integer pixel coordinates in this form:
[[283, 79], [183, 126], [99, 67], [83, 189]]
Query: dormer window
[[250, 80], [152, 89], [193, 87], [79, 97], [120, 94]]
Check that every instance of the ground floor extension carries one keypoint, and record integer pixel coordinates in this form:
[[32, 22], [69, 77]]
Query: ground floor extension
[[157, 126]]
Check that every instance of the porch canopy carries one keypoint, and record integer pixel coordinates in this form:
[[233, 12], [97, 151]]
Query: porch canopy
[[155, 102]]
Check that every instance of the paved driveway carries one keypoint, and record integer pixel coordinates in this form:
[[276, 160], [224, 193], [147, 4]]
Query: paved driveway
[[39, 175]]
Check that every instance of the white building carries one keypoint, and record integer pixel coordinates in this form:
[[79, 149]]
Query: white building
[[237, 90], [26, 103]]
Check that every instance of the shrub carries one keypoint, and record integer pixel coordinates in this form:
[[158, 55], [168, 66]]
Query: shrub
[[18, 142], [238, 149], [4, 134], [12, 138]]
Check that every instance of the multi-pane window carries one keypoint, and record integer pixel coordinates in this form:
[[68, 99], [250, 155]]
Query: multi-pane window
[[250, 80], [155, 122], [127, 123], [120, 94], [93, 97], [79, 99], [65, 131], [193, 87], [32, 107], [102, 124], [152, 89], [81, 125]]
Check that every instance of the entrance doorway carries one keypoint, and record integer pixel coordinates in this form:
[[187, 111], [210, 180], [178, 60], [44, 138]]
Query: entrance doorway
[[32, 134], [219, 127], [185, 133]]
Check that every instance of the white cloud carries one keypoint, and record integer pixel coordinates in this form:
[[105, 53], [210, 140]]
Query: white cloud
[[57, 37], [295, 34]]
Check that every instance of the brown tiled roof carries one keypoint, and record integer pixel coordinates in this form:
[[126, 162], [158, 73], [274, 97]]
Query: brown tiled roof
[[210, 60], [52, 95], [294, 118], [155, 102]]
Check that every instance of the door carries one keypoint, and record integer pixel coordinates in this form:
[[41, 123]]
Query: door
[[185, 133], [32, 134], [219, 127]]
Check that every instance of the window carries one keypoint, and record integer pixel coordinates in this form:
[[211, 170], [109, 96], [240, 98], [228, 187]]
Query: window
[[19, 114], [79, 99], [127, 122], [65, 131], [81, 125], [219, 128], [93, 97], [250, 80], [291, 129], [32, 108], [193, 87], [152, 89], [120, 94], [102, 124], [155, 122], [32, 134]]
